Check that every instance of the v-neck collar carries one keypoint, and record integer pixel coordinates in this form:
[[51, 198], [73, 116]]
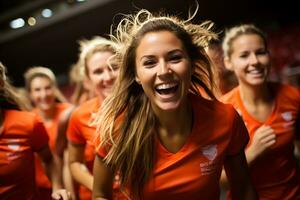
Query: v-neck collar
[[188, 139], [249, 116]]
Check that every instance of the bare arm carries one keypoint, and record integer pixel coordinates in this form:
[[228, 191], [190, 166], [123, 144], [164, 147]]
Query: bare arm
[[61, 139], [103, 180], [54, 173], [238, 177], [62, 152], [263, 139], [223, 181], [78, 169]]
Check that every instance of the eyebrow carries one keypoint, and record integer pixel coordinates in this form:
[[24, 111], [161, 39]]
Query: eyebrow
[[259, 49], [170, 52], [147, 56]]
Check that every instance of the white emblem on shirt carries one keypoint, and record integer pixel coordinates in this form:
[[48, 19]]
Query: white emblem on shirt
[[287, 116], [210, 152]]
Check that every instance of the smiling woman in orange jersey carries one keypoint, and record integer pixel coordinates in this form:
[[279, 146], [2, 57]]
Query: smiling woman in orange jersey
[[156, 130], [97, 61], [21, 135], [48, 104], [269, 111]]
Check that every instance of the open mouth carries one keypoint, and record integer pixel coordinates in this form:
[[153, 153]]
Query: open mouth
[[166, 88], [256, 71]]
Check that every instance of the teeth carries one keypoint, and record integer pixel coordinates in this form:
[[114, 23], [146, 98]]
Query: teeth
[[256, 71], [166, 86]]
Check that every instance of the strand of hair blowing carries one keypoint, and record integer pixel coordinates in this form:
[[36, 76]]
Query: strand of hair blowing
[[9, 98], [131, 142]]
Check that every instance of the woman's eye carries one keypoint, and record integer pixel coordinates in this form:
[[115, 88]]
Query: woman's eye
[[261, 53], [175, 58], [148, 62], [98, 71], [243, 55]]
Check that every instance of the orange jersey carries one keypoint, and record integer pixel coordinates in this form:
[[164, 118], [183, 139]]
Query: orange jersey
[[23, 134], [194, 171], [80, 132], [51, 127], [276, 175]]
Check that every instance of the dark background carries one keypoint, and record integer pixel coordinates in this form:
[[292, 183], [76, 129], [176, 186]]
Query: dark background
[[53, 42]]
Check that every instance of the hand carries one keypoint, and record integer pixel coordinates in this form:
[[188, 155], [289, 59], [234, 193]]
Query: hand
[[263, 138], [61, 194]]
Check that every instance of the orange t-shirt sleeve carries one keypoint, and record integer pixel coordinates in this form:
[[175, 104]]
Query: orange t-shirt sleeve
[[73, 132], [39, 136], [239, 137]]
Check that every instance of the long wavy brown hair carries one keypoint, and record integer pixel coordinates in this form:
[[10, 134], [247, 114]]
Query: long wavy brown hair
[[126, 120], [9, 97]]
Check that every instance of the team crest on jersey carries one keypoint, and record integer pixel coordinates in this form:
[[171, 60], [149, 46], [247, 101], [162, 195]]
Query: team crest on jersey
[[210, 152], [209, 167], [287, 116]]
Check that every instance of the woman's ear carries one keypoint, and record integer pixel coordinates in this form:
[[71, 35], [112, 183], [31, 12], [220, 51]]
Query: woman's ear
[[137, 80], [228, 64]]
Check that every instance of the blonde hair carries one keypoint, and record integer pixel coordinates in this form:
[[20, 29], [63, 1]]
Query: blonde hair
[[76, 74], [126, 122], [76, 77], [235, 32], [9, 97], [90, 47], [39, 71]]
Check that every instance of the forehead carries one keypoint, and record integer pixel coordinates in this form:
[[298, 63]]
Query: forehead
[[40, 79], [155, 42], [248, 41], [99, 58]]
